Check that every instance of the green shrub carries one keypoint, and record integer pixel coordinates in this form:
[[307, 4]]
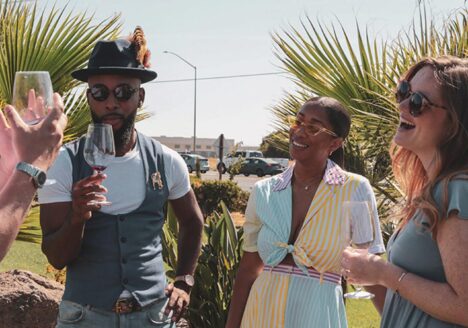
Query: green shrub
[[235, 167], [210, 194]]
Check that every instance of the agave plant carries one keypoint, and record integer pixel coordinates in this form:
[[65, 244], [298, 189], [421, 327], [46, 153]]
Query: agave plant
[[322, 61], [216, 268]]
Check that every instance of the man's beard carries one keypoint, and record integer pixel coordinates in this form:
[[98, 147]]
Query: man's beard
[[123, 135]]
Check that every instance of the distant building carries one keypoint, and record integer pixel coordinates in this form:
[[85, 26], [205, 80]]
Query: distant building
[[242, 147], [205, 146]]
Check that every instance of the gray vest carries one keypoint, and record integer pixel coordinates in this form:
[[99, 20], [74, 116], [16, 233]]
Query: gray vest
[[121, 251]]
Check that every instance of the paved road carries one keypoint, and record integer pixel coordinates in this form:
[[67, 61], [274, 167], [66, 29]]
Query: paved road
[[246, 183]]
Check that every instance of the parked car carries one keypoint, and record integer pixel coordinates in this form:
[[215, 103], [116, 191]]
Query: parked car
[[284, 162], [230, 159], [191, 161], [260, 167]]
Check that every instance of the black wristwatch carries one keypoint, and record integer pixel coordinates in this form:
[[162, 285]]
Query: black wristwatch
[[38, 176]]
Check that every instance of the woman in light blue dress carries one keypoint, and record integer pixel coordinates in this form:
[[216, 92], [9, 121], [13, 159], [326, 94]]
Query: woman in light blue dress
[[425, 281]]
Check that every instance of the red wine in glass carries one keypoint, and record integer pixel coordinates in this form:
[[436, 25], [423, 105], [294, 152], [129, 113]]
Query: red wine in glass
[[99, 150], [99, 168]]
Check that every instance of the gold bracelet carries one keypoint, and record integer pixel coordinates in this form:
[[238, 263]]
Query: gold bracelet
[[403, 274]]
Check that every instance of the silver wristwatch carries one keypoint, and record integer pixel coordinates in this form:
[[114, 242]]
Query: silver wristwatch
[[38, 176], [187, 279]]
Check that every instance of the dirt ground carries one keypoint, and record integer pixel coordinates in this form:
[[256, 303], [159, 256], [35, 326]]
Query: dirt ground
[[238, 218]]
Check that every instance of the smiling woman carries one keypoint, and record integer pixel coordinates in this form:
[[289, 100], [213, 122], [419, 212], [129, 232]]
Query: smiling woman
[[322, 124], [289, 275], [417, 132], [424, 283]]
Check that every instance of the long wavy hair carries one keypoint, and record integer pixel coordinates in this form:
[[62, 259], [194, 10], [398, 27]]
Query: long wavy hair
[[451, 158]]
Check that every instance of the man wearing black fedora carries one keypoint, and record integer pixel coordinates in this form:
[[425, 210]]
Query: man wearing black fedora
[[113, 254]]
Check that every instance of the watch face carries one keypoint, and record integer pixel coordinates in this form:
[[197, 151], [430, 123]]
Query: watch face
[[189, 280], [41, 178]]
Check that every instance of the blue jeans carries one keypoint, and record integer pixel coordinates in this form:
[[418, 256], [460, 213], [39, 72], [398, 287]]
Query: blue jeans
[[84, 316]]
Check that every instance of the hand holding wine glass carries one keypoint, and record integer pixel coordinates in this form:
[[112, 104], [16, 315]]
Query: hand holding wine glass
[[99, 150], [33, 99], [358, 234], [34, 144], [32, 95]]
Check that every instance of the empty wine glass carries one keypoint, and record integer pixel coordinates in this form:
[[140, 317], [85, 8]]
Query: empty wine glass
[[99, 150], [32, 95], [358, 234]]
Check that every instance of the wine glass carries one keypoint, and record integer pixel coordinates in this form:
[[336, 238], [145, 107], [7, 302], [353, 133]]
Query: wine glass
[[99, 150], [359, 234], [32, 95]]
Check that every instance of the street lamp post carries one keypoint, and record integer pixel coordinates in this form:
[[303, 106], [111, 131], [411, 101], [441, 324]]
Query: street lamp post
[[194, 97]]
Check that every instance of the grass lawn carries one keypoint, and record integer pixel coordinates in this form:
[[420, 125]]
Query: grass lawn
[[28, 256], [362, 314]]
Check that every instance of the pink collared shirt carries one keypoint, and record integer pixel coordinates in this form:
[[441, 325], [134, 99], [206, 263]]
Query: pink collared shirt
[[334, 175]]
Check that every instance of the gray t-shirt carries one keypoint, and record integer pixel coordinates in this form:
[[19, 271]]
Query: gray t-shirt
[[414, 250]]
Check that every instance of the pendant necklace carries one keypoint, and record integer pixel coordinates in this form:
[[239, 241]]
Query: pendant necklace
[[309, 185]]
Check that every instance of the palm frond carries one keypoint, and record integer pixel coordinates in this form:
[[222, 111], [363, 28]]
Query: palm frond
[[56, 41], [363, 75]]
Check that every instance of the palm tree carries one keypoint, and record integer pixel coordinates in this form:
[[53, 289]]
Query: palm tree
[[53, 40], [321, 60]]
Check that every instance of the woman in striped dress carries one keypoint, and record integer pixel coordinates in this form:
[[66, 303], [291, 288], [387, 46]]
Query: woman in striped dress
[[289, 275]]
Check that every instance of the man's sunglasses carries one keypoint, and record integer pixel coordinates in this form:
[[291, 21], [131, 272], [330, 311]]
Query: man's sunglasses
[[311, 129], [122, 92], [417, 100]]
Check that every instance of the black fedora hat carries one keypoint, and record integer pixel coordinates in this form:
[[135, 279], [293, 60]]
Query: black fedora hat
[[114, 57]]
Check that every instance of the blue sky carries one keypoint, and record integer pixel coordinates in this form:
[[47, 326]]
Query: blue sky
[[224, 38]]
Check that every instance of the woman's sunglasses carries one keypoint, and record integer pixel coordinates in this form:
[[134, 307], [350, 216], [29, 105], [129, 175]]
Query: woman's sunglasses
[[417, 100], [311, 129], [122, 92]]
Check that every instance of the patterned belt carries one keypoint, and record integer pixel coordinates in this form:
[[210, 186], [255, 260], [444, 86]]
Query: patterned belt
[[126, 305], [312, 273]]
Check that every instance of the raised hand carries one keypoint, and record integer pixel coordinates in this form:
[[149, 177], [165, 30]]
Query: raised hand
[[35, 144], [8, 156]]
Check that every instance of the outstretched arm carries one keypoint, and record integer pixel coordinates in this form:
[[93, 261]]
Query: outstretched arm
[[15, 200], [37, 145]]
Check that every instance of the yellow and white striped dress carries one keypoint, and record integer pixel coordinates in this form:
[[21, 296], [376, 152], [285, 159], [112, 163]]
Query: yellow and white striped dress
[[310, 294]]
